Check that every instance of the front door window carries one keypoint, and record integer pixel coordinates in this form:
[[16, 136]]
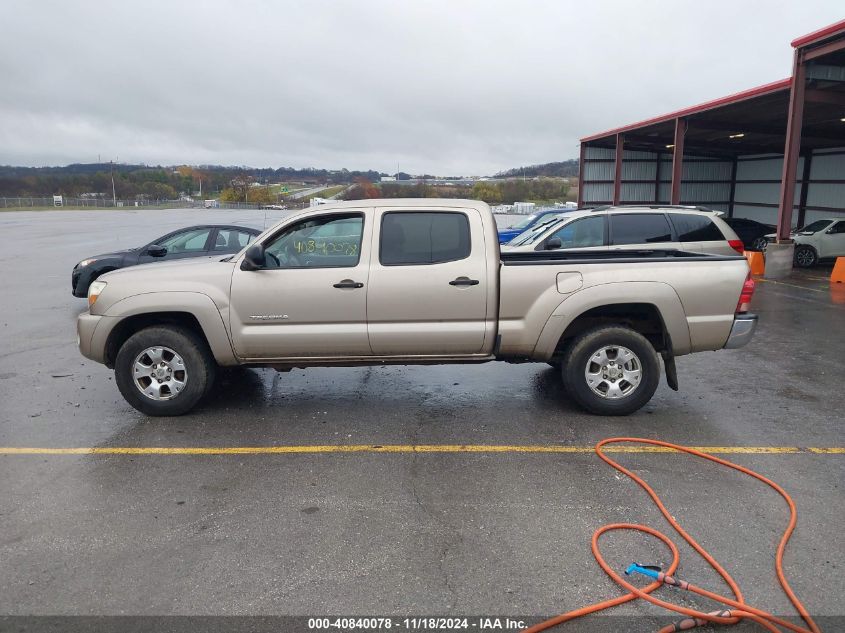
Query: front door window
[[332, 241]]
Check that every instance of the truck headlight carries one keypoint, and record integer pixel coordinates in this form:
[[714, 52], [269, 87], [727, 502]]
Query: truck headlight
[[94, 291]]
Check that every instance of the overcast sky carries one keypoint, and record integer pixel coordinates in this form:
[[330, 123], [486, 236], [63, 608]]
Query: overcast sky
[[443, 87]]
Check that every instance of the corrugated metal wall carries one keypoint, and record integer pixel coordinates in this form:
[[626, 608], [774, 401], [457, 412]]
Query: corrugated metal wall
[[824, 197], [758, 180], [705, 181], [646, 179]]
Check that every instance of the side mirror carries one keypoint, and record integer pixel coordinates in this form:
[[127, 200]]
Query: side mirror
[[156, 250], [553, 244], [254, 258]]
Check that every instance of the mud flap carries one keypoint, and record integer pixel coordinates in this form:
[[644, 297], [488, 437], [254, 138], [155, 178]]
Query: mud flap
[[671, 371]]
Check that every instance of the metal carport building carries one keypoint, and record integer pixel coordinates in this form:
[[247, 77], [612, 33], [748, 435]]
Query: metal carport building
[[775, 153]]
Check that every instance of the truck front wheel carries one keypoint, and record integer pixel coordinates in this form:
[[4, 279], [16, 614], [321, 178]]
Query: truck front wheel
[[164, 370], [611, 370]]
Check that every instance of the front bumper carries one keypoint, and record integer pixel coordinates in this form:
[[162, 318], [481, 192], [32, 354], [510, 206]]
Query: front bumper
[[80, 279], [86, 324], [74, 281], [742, 331]]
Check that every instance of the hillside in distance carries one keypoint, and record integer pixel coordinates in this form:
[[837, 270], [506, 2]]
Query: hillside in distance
[[562, 169]]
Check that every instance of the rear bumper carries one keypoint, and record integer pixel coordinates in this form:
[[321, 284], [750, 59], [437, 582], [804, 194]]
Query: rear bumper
[[742, 331]]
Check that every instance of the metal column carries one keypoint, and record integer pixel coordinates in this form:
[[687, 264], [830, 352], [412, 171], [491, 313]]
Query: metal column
[[678, 160], [657, 178], [732, 198], [805, 187], [617, 178], [581, 175], [792, 148]]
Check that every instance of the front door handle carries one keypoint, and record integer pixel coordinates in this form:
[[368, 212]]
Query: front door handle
[[463, 281], [348, 283]]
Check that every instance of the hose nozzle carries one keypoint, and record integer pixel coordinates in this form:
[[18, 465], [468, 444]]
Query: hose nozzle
[[652, 571]]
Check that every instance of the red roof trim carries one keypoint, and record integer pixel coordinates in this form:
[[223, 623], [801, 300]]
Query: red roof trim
[[821, 34], [775, 86]]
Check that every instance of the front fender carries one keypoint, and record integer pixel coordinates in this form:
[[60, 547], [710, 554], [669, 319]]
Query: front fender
[[660, 295], [197, 304]]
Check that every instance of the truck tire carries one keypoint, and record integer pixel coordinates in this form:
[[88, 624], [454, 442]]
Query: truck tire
[[164, 370], [611, 370]]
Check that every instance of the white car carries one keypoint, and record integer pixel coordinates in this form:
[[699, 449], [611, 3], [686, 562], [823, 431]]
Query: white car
[[659, 227], [822, 239]]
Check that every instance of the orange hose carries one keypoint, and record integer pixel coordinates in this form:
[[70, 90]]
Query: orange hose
[[740, 610]]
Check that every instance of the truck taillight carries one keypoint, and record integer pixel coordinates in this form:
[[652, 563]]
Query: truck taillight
[[737, 245], [745, 296]]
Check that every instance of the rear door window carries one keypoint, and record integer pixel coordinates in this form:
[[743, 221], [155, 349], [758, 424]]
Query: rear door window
[[640, 228], [695, 228], [415, 237]]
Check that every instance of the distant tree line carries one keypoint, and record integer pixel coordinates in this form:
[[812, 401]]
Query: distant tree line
[[160, 183], [168, 183], [243, 188], [563, 169], [490, 191]]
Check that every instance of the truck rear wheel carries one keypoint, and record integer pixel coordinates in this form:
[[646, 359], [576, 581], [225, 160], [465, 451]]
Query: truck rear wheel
[[164, 370], [611, 370]]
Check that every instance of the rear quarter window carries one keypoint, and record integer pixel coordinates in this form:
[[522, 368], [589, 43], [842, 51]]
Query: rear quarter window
[[696, 228], [640, 228]]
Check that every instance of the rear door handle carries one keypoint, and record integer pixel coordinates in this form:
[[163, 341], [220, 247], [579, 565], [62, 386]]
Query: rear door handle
[[463, 281], [348, 283]]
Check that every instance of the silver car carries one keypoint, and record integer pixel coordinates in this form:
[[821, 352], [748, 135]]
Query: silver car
[[633, 228]]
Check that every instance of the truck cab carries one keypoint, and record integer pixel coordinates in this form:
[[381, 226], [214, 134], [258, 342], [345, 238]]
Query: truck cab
[[359, 282]]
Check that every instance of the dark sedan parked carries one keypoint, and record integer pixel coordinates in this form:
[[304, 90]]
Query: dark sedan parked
[[751, 232], [193, 241]]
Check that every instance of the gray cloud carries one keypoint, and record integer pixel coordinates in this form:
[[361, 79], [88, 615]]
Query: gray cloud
[[441, 86]]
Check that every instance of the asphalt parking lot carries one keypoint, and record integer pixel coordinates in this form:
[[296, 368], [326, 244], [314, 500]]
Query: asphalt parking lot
[[451, 530]]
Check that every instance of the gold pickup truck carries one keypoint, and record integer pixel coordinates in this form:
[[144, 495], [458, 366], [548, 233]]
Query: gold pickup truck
[[412, 282]]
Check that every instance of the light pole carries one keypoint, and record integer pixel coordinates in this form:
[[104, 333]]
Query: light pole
[[113, 194]]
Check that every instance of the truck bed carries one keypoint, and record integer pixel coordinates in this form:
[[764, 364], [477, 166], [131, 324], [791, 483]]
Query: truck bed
[[696, 295]]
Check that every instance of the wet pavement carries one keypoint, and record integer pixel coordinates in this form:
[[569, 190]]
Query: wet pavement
[[378, 533]]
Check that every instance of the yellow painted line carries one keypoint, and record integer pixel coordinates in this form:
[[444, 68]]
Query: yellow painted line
[[828, 451], [399, 448], [781, 283]]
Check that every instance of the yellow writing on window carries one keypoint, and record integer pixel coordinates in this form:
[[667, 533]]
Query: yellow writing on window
[[326, 248]]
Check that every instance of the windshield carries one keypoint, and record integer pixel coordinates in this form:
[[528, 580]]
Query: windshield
[[535, 232], [815, 227], [525, 223]]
